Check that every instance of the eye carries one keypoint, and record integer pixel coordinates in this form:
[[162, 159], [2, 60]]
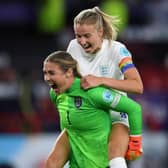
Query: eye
[[87, 35], [77, 36]]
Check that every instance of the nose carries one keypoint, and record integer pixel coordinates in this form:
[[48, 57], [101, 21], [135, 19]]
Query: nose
[[46, 78], [82, 41]]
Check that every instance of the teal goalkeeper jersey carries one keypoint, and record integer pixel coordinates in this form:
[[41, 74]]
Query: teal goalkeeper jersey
[[85, 116]]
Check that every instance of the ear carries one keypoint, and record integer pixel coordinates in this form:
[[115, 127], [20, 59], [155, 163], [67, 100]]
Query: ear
[[69, 72]]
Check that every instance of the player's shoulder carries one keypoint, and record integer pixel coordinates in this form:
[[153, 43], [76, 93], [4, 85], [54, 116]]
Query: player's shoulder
[[117, 44], [73, 46], [96, 92], [120, 49], [73, 43], [100, 95]]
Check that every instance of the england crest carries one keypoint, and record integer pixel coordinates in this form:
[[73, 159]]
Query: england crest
[[78, 101]]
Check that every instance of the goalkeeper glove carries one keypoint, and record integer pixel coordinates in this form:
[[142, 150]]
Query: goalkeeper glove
[[134, 147]]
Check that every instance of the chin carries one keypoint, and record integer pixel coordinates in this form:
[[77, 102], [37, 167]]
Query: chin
[[89, 51]]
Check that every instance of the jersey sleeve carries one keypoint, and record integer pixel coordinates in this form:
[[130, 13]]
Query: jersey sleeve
[[107, 99], [125, 59]]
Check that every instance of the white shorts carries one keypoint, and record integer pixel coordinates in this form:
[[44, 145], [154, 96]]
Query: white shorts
[[119, 117]]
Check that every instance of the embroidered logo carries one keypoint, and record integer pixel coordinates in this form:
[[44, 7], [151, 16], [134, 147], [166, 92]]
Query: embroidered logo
[[104, 69], [124, 52], [78, 101]]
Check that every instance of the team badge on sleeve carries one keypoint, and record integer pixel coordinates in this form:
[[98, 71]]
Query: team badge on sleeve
[[107, 96], [124, 52]]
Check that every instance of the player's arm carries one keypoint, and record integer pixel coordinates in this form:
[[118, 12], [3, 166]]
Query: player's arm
[[109, 99], [134, 111], [60, 152], [132, 82]]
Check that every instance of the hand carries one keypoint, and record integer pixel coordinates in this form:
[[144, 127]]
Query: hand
[[134, 147], [90, 81]]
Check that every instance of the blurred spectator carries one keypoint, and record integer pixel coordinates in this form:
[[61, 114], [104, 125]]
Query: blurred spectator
[[10, 110], [42, 105], [31, 121], [9, 86], [148, 21], [157, 12], [137, 13]]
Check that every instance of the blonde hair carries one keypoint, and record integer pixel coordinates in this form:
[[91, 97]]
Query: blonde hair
[[65, 61], [101, 20]]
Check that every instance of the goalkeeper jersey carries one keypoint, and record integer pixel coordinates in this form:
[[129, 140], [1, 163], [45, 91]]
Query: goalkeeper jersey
[[84, 116]]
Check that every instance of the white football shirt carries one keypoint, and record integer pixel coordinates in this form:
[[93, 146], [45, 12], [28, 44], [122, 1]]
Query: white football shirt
[[112, 60]]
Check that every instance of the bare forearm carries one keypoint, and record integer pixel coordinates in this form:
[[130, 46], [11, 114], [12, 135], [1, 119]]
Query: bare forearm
[[128, 85], [132, 82], [60, 152]]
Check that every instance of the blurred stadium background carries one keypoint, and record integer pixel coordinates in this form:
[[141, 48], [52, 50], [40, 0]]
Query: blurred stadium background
[[31, 29]]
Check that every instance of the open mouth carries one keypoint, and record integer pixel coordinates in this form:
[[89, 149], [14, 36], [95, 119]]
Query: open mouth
[[54, 86], [87, 46]]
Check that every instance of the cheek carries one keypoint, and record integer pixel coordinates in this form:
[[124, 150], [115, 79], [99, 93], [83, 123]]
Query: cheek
[[95, 42], [53, 79], [98, 41], [95, 39], [60, 80]]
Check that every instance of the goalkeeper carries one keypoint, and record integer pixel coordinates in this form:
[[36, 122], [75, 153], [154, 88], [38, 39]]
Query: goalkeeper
[[83, 114]]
